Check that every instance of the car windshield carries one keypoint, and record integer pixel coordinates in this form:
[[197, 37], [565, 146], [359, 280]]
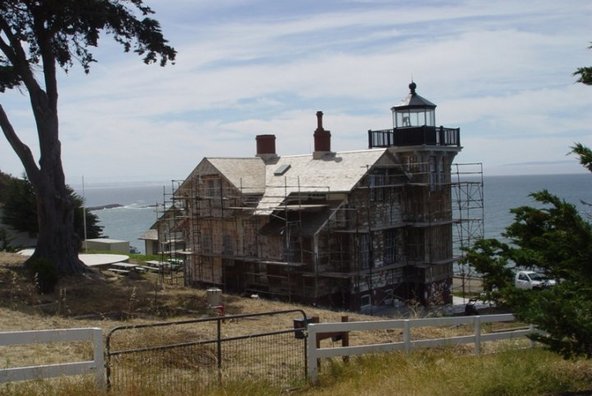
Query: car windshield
[[537, 277]]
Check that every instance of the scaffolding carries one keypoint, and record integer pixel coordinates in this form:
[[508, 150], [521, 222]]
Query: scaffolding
[[469, 212], [171, 238], [209, 226]]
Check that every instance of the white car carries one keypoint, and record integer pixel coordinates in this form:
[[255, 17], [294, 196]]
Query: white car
[[532, 280]]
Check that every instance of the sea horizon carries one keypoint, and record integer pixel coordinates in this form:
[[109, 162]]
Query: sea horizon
[[138, 201]]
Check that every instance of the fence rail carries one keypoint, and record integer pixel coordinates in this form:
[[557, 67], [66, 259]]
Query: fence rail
[[93, 335], [313, 329]]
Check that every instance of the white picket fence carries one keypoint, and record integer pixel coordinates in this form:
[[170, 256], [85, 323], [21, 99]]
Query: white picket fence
[[93, 335], [314, 353]]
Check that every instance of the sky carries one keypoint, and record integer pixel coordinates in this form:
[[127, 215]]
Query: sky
[[501, 71]]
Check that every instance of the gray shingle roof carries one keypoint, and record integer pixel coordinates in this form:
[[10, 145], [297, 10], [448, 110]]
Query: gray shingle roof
[[246, 174], [334, 172]]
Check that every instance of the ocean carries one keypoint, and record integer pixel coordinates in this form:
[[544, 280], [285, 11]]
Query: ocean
[[500, 194], [137, 213]]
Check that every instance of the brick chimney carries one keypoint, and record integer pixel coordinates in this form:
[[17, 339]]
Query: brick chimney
[[322, 138], [266, 147]]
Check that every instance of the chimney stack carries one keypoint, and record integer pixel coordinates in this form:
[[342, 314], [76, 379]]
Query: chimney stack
[[266, 147], [322, 138]]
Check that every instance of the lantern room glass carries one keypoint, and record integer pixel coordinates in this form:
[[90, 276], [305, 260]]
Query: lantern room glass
[[411, 118]]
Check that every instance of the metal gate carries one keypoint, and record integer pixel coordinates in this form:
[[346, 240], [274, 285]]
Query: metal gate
[[190, 356]]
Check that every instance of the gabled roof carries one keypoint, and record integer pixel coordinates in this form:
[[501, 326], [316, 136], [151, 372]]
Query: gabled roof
[[335, 172], [246, 174], [277, 179]]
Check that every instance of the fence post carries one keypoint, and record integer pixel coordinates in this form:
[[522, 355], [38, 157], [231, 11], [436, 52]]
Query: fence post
[[477, 335], [219, 348], [531, 329], [316, 319], [311, 354], [345, 337], [99, 358], [407, 335]]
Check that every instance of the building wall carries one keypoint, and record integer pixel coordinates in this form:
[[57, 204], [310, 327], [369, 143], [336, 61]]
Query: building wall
[[379, 244]]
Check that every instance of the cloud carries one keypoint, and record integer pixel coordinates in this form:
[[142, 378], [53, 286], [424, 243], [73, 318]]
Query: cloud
[[500, 71]]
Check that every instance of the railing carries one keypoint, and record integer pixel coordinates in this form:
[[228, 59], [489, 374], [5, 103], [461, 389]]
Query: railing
[[314, 353], [97, 365], [424, 135]]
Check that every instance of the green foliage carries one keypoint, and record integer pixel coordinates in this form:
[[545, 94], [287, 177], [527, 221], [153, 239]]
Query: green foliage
[[20, 210], [4, 179], [20, 207], [585, 155], [556, 240], [66, 30], [5, 241], [490, 258], [43, 273], [585, 74], [563, 311], [93, 229]]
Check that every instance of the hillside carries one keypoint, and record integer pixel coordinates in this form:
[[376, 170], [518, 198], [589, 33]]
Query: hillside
[[106, 301]]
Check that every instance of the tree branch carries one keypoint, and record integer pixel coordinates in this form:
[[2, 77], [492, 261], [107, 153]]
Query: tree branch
[[22, 150], [17, 56], [47, 55]]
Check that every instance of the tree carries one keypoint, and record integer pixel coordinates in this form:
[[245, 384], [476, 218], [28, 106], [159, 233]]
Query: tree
[[557, 241], [585, 74], [19, 206], [20, 210], [37, 37]]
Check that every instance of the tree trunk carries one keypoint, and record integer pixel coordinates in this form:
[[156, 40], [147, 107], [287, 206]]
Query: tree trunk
[[57, 240]]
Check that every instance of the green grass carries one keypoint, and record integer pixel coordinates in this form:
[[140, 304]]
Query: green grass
[[424, 372]]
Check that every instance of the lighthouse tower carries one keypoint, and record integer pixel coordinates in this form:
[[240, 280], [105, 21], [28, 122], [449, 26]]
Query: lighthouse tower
[[425, 152]]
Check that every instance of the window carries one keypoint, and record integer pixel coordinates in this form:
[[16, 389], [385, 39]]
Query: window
[[433, 173], [227, 245], [206, 244], [281, 170], [365, 301], [212, 187], [388, 297], [442, 169], [389, 247], [364, 251], [376, 184]]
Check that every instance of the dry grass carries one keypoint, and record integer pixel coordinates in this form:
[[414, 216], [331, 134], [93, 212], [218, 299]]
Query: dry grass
[[446, 372], [109, 301]]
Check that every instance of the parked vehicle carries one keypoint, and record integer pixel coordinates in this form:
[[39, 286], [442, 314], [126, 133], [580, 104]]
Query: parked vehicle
[[532, 280]]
